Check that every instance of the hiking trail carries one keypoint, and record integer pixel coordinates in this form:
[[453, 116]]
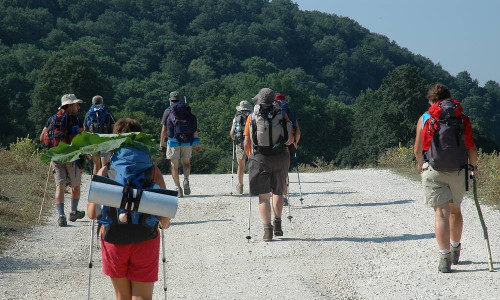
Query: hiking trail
[[360, 234]]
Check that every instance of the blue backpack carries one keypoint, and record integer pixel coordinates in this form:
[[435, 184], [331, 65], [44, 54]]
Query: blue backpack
[[183, 121], [99, 119], [285, 108], [134, 168]]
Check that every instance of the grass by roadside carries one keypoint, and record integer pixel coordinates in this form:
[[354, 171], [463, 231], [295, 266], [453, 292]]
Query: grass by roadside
[[400, 160], [22, 183]]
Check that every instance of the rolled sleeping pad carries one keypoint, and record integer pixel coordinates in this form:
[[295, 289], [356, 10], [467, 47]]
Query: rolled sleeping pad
[[159, 202]]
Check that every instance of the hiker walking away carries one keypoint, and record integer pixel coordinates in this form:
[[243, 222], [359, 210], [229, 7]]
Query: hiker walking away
[[444, 148], [99, 120], [285, 106], [242, 112], [267, 133], [130, 247], [181, 128], [62, 127]]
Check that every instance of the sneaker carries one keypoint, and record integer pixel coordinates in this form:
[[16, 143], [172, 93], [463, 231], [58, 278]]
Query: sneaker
[[268, 234], [62, 221], [285, 201], [180, 194], [445, 263], [278, 231], [455, 254], [185, 185], [76, 215], [239, 188]]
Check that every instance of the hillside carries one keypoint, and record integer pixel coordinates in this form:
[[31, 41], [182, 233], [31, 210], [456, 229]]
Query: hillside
[[218, 53]]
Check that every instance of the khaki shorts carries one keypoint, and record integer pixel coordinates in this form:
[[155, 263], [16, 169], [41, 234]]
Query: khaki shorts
[[179, 152], [441, 187], [268, 173], [240, 153], [67, 173]]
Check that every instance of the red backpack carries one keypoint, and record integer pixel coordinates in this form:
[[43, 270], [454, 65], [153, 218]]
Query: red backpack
[[63, 127], [446, 136]]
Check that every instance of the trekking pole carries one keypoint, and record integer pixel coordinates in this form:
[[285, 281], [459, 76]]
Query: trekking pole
[[483, 224], [44, 193], [289, 214], [232, 169], [248, 237], [288, 198], [298, 177], [91, 252], [164, 260]]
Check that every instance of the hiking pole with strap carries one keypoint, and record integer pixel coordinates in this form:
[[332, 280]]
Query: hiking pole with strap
[[232, 169], [44, 193], [288, 199], [298, 177], [248, 237], [289, 214], [164, 260], [483, 224], [91, 252]]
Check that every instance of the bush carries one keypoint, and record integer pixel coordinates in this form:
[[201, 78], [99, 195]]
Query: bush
[[401, 161], [23, 150]]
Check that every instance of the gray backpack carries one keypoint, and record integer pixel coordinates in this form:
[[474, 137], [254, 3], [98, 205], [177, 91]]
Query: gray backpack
[[268, 129]]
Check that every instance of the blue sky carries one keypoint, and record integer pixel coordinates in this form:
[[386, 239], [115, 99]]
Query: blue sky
[[458, 34]]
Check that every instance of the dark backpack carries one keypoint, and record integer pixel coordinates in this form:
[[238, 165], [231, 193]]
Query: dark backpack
[[134, 169], [443, 141], [99, 119], [183, 122], [268, 129], [240, 120], [285, 107], [62, 128]]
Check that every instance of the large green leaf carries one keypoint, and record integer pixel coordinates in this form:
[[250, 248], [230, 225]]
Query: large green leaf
[[89, 144]]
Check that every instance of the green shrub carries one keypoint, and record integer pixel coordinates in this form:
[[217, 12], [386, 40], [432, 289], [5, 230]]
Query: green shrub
[[401, 161], [23, 150]]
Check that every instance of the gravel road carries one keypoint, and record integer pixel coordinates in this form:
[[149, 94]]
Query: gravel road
[[360, 234]]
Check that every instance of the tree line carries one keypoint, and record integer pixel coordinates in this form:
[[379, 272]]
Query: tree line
[[355, 93]]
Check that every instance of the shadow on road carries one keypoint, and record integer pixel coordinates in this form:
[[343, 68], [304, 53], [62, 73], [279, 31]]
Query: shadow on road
[[11, 264], [360, 204], [200, 222], [384, 239]]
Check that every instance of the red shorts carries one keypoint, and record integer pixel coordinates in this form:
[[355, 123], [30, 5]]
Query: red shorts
[[136, 262]]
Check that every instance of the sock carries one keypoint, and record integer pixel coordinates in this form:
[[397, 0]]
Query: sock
[[454, 244], [268, 225], [60, 208], [74, 205], [186, 178], [277, 218], [444, 251]]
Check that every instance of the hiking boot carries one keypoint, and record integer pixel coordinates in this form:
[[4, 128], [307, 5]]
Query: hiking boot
[[185, 185], [277, 227], [239, 188], [62, 221], [76, 215], [180, 194], [445, 263], [285, 201], [455, 254], [268, 233]]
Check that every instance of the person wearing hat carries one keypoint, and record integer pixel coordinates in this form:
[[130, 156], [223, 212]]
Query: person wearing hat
[[242, 112], [180, 126], [267, 133], [63, 127]]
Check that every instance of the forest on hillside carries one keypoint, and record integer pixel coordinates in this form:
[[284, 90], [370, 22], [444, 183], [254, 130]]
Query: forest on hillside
[[355, 93]]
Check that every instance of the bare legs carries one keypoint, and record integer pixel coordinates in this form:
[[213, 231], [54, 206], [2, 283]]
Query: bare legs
[[448, 224], [265, 207], [127, 290], [241, 170]]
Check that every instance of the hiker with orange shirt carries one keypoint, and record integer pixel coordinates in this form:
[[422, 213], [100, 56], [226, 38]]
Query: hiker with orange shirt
[[267, 133]]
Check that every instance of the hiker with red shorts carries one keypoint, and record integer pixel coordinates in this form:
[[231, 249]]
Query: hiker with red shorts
[[267, 133], [63, 127], [445, 152], [130, 240]]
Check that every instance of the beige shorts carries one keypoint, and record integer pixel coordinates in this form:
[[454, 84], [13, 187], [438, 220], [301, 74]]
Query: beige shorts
[[441, 187], [179, 152], [240, 153], [67, 173]]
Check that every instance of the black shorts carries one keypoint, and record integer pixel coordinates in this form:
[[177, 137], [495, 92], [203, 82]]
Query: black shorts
[[267, 173]]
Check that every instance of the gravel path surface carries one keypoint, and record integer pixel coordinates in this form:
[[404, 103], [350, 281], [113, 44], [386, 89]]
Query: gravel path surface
[[360, 234]]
